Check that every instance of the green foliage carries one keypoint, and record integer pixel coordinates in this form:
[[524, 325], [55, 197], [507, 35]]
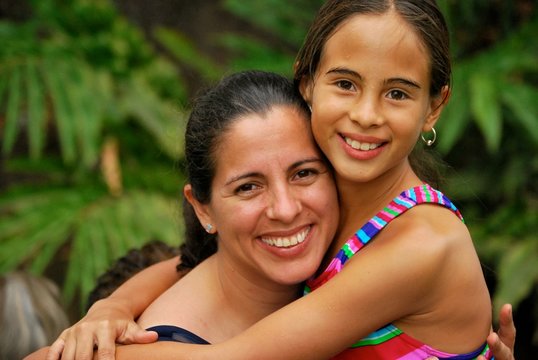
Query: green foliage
[[72, 77], [284, 19], [185, 51], [96, 227], [283, 25], [84, 73], [491, 84], [489, 133]]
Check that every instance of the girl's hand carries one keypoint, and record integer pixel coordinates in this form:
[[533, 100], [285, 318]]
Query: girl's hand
[[108, 321], [502, 343]]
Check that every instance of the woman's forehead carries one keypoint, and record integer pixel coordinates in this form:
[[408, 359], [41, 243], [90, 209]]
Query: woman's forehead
[[282, 134]]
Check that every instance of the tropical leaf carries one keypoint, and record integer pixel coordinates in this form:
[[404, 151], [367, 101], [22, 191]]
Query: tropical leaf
[[185, 51], [63, 111], [518, 272], [521, 99], [36, 110], [251, 54], [455, 117], [13, 112], [89, 115], [285, 19], [486, 108], [99, 228], [110, 229], [161, 119]]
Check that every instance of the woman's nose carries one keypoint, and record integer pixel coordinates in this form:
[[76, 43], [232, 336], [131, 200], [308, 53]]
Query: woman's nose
[[284, 205]]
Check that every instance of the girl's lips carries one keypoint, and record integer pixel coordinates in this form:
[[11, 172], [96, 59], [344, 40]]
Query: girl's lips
[[364, 149]]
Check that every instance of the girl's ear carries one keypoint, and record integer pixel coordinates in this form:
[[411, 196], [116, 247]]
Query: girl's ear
[[202, 210], [305, 88], [437, 105]]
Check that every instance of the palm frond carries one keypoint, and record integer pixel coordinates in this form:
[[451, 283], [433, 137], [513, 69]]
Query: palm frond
[[489, 84], [36, 110], [13, 107], [518, 272], [97, 227]]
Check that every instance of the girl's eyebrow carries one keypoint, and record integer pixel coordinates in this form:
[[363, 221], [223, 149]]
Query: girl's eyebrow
[[258, 174], [403, 81], [344, 71], [391, 81]]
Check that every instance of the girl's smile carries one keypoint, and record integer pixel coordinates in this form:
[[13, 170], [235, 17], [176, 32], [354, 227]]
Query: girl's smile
[[370, 96]]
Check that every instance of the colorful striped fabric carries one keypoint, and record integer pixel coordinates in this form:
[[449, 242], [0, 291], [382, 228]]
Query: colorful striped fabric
[[389, 342]]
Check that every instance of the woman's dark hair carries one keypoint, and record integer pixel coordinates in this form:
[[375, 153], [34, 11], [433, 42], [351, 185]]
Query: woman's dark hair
[[234, 97], [424, 16]]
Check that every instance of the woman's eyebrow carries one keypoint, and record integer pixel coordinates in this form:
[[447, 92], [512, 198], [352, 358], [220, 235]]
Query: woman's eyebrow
[[258, 174], [243, 176], [305, 161]]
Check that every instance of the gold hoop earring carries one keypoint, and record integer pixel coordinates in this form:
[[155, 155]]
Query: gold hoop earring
[[430, 142]]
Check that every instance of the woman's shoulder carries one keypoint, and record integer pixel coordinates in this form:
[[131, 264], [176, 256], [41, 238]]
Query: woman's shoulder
[[187, 298]]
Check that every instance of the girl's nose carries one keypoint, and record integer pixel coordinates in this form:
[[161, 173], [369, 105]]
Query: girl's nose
[[365, 111]]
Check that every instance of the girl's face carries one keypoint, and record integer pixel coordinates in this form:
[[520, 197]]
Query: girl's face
[[274, 203], [370, 96]]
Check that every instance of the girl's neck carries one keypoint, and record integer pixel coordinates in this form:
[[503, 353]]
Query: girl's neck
[[359, 201]]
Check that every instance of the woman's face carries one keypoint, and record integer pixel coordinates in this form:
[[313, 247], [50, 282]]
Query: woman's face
[[274, 203], [370, 96]]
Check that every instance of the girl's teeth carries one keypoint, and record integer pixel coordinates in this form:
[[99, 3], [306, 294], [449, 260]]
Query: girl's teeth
[[361, 146]]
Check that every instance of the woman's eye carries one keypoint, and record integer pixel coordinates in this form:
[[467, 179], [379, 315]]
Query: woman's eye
[[397, 95], [345, 84], [246, 188], [306, 173]]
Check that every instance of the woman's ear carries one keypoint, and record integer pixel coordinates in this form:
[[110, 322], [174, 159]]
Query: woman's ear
[[437, 105], [202, 210]]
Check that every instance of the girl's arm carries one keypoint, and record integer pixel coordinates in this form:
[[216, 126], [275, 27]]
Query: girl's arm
[[365, 296], [113, 319], [389, 280]]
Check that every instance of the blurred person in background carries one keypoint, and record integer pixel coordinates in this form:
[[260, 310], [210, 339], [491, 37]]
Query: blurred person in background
[[31, 315]]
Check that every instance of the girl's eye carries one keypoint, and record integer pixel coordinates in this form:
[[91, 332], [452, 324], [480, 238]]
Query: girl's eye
[[345, 84], [397, 95]]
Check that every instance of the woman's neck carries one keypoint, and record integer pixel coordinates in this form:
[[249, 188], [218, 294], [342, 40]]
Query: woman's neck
[[244, 298]]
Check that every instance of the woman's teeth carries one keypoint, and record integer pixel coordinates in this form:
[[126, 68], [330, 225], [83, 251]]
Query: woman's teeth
[[288, 241]]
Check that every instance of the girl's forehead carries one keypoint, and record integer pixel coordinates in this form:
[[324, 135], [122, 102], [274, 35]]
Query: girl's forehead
[[384, 39]]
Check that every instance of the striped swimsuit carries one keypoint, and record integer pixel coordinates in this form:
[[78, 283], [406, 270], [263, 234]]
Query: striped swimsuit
[[389, 342]]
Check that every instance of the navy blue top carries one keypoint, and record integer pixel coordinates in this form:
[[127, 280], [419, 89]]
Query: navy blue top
[[174, 333]]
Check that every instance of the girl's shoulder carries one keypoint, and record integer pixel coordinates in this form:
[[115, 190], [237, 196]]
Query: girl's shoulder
[[426, 230]]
